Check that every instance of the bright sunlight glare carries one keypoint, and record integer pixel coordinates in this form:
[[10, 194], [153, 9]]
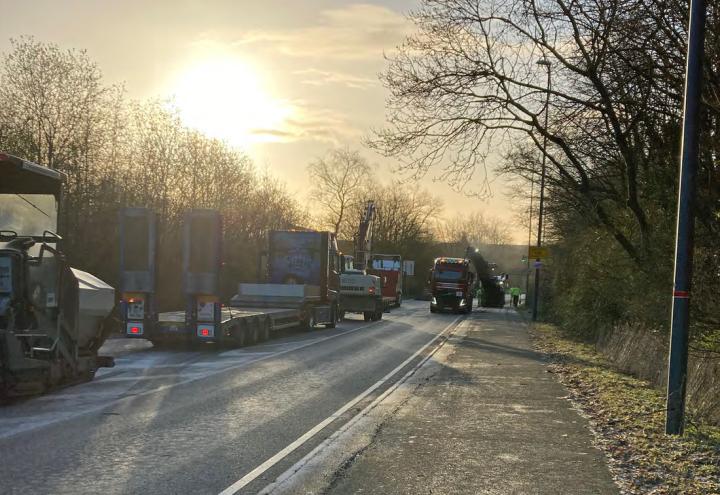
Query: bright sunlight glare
[[227, 99]]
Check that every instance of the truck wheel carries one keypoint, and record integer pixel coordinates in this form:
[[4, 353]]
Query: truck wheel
[[238, 335], [264, 330], [333, 318], [309, 324], [378, 315], [367, 315], [251, 333], [433, 309]]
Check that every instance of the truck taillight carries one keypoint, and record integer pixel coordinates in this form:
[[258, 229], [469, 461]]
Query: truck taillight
[[134, 328], [206, 331]]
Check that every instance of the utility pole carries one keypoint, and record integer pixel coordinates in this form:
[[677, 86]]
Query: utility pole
[[677, 362], [536, 295], [527, 271]]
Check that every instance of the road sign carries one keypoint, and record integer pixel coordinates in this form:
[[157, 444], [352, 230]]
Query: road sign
[[537, 264], [409, 267], [536, 252]]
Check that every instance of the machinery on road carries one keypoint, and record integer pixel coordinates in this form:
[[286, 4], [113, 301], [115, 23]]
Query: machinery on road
[[360, 292], [389, 268], [452, 284], [302, 288], [53, 318]]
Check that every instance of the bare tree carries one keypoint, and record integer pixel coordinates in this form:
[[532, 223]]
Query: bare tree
[[338, 182], [474, 229], [466, 90]]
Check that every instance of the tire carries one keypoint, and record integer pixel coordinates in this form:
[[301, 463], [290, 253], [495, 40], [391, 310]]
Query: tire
[[309, 324], [264, 330], [333, 318], [367, 316], [251, 333], [378, 315], [238, 335], [433, 310]]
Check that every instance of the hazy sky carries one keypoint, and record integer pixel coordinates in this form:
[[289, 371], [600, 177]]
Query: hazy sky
[[284, 80]]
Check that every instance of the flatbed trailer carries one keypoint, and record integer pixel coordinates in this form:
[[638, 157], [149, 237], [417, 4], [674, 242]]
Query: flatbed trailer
[[237, 326], [302, 288]]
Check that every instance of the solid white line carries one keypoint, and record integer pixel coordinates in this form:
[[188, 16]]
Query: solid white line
[[347, 426], [252, 475]]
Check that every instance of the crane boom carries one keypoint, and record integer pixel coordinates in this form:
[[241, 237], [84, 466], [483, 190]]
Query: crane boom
[[363, 241]]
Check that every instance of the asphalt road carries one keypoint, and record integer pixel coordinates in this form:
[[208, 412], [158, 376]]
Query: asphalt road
[[179, 421]]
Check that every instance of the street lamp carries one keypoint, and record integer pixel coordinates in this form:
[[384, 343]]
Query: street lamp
[[544, 62]]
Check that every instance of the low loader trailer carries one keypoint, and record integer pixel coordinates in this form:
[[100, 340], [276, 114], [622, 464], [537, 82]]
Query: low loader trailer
[[302, 288]]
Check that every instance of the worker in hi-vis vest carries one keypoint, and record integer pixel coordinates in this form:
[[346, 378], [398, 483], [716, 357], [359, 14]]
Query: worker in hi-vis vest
[[515, 294]]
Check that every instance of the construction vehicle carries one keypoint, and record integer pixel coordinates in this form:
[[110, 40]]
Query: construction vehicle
[[360, 292], [389, 268], [302, 289], [53, 318], [452, 284]]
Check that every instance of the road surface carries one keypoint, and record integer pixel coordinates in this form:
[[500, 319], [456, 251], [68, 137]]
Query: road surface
[[178, 421]]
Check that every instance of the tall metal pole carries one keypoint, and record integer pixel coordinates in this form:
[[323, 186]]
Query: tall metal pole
[[677, 362], [527, 272], [541, 205]]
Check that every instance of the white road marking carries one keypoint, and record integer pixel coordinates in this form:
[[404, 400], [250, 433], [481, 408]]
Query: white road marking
[[347, 426], [252, 475]]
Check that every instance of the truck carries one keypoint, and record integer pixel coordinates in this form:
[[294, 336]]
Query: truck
[[301, 289], [452, 284], [389, 268], [53, 318], [360, 292]]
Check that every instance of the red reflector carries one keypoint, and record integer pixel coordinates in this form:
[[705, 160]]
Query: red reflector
[[204, 332], [134, 330]]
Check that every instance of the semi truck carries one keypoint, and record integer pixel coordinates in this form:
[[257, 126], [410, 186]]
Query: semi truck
[[452, 284], [361, 292], [301, 288], [389, 268], [53, 318]]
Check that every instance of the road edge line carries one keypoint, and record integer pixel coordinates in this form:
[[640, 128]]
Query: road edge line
[[269, 463]]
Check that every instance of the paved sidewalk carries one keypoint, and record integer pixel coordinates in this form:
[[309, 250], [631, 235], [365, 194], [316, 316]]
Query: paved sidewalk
[[486, 418]]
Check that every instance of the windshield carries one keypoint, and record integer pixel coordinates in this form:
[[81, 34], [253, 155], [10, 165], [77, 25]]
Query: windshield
[[28, 214], [448, 274]]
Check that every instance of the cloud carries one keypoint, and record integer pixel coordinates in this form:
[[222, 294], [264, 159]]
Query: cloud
[[311, 124], [317, 77], [358, 31]]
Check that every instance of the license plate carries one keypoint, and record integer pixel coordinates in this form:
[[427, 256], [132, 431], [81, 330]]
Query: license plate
[[459, 294]]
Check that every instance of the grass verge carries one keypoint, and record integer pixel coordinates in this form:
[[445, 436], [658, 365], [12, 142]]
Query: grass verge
[[628, 418]]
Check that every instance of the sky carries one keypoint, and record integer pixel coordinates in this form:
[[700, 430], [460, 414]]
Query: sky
[[285, 81]]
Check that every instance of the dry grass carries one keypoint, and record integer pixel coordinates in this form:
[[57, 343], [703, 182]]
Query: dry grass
[[628, 418]]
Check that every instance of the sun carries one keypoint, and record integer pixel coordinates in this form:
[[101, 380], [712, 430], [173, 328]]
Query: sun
[[227, 98]]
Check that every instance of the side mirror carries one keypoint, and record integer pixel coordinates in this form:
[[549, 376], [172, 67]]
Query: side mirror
[[50, 236]]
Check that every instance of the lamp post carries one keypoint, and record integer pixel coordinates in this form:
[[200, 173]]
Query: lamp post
[[545, 62], [678, 359]]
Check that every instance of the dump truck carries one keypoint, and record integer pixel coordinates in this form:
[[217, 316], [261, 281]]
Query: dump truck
[[53, 318], [301, 287], [361, 292], [452, 284]]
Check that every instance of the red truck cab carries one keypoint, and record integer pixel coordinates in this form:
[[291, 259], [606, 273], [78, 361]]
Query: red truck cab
[[389, 268], [452, 284]]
